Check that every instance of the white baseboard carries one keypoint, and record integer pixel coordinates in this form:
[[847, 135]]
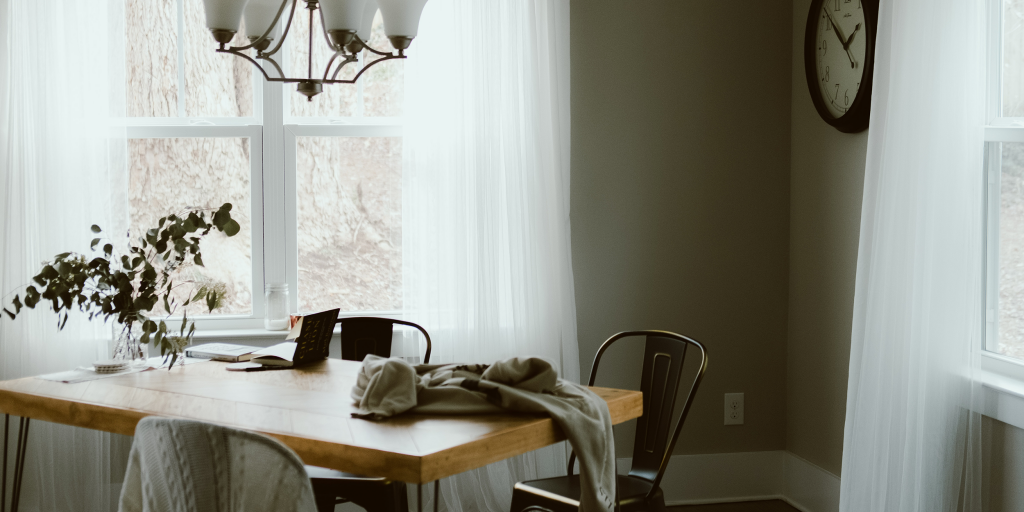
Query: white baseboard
[[748, 476]]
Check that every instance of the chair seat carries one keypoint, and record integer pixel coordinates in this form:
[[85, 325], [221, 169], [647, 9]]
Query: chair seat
[[375, 494], [563, 494]]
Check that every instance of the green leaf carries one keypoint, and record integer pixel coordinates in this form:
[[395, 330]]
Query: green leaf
[[231, 228], [211, 300], [92, 245], [96, 229], [220, 219], [184, 319], [17, 304], [9, 313], [174, 357], [49, 272], [62, 255], [199, 260], [31, 301], [108, 249], [65, 322]]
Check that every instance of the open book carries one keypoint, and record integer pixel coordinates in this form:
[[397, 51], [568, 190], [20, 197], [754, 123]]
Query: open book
[[311, 342]]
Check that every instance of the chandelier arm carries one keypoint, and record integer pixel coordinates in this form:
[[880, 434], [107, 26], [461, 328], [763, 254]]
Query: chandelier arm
[[361, 71], [309, 60], [279, 70], [238, 53], [367, 47], [330, 63], [267, 33], [288, 27], [348, 60]]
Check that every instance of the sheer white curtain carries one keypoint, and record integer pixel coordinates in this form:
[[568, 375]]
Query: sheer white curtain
[[485, 234], [63, 169], [911, 443]]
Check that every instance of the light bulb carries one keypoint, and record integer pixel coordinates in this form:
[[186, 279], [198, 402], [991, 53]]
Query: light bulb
[[401, 20], [223, 18], [259, 14]]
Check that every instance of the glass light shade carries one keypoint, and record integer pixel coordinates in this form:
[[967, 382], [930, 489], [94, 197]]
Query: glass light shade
[[366, 24], [342, 14], [401, 17], [259, 14], [224, 14]]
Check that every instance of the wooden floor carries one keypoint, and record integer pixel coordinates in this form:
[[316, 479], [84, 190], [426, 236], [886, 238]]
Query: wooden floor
[[744, 506]]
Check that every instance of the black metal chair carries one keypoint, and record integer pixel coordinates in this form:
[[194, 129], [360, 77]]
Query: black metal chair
[[664, 354], [361, 336]]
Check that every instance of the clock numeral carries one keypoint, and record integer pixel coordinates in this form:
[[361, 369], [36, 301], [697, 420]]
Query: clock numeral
[[838, 5], [846, 97], [824, 47], [828, 26], [826, 79], [837, 91]]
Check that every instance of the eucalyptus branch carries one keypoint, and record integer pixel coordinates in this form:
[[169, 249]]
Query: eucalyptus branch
[[128, 286]]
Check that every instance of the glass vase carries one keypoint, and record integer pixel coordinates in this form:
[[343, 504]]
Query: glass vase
[[127, 346]]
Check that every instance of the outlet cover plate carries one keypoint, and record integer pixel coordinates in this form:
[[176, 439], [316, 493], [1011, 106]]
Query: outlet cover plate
[[734, 408]]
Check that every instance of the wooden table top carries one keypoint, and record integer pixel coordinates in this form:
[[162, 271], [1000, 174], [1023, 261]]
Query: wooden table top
[[308, 409]]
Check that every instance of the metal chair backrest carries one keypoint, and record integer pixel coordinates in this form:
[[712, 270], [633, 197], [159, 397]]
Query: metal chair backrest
[[362, 335], [664, 354]]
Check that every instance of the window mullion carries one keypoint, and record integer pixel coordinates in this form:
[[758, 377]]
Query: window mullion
[[276, 260]]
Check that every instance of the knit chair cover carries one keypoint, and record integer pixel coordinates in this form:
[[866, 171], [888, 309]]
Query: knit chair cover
[[190, 466]]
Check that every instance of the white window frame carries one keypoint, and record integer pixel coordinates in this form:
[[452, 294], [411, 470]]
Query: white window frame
[[272, 158], [1001, 378]]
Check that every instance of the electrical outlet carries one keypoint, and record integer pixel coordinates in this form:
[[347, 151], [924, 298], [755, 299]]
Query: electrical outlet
[[734, 408]]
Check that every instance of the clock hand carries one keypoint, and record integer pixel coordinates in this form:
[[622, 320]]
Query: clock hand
[[846, 46], [839, 33], [842, 38], [855, 29]]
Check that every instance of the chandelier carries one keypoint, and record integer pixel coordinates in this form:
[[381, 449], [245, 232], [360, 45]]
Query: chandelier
[[346, 26]]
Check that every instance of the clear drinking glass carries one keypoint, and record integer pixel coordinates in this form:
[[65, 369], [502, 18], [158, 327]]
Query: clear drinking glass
[[276, 307]]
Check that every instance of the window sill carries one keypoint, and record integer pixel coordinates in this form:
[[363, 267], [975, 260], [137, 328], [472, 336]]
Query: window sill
[[1001, 389]]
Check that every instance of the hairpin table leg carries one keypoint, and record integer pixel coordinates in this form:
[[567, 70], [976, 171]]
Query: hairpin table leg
[[19, 467], [19, 463], [3, 483], [419, 496]]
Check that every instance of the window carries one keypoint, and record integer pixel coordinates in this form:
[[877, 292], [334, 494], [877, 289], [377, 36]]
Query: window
[[1004, 168], [316, 186]]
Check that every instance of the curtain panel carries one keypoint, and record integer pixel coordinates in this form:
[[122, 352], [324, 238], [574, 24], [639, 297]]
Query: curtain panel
[[62, 169], [911, 441], [485, 202]]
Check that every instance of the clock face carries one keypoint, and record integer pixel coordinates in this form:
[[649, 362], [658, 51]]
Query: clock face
[[842, 44]]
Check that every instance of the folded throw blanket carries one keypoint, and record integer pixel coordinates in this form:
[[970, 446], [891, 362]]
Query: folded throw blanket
[[386, 387]]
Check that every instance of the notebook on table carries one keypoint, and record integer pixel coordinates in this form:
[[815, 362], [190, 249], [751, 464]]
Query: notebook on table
[[309, 341]]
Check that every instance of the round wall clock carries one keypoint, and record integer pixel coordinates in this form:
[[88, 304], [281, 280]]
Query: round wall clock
[[839, 51]]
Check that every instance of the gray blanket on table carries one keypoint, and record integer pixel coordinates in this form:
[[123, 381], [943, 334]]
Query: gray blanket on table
[[387, 387]]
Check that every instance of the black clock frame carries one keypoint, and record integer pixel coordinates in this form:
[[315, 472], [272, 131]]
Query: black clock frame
[[856, 118]]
